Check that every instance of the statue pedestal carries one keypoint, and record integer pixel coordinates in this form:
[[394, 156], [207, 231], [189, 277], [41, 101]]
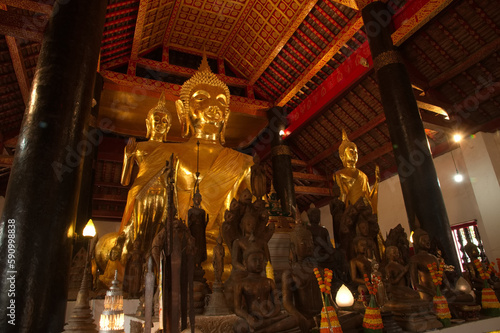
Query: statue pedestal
[[217, 304], [414, 316], [279, 245]]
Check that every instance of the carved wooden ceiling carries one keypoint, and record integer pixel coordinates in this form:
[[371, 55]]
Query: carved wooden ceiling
[[311, 57]]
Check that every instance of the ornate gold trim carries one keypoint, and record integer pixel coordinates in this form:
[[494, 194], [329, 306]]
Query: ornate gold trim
[[281, 150], [386, 58]]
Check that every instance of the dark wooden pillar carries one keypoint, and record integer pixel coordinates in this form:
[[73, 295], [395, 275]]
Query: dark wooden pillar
[[281, 160], [38, 220], [95, 137], [419, 182]]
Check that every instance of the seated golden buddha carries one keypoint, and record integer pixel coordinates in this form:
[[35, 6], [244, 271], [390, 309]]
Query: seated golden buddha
[[203, 110], [353, 183]]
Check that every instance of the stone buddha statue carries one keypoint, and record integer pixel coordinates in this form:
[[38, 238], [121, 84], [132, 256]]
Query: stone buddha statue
[[421, 278], [256, 301], [301, 293], [353, 183]]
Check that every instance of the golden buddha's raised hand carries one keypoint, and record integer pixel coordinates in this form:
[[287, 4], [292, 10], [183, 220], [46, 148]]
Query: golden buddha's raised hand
[[131, 146]]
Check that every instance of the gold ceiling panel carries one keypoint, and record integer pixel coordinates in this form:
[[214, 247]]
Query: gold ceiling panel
[[156, 17], [261, 32], [205, 23]]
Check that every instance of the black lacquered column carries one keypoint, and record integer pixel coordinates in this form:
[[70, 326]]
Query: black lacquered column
[[281, 160], [94, 137], [37, 224], [419, 182]]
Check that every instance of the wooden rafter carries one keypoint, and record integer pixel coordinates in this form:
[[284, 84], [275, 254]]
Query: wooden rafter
[[187, 72], [33, 6], [309, 190], [472, 60], [139, 28], [284, 38], [352, 136], [347, 32], [12, 24], [385, 149], [168, 30], [19, 68]]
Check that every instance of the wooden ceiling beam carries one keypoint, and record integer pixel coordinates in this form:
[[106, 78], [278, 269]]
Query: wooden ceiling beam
[[472, 60], [139, 28], [187, 72], [168, 30], [33, 6], [6, 161], [309, 176], [385, 149], [12, 24], [309, 190], [332, 48], [352, 136], [19, 68]]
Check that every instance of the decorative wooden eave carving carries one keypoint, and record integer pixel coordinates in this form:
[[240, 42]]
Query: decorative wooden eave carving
[[238, 104]]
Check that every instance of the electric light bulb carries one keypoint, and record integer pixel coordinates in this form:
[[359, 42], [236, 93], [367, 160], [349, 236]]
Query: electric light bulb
[[89, 230], [344, 297], [458, 178], [457, 137]]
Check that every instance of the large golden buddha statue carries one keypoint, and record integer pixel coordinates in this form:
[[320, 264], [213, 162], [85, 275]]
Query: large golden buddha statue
[[353, 183], [203, 110]]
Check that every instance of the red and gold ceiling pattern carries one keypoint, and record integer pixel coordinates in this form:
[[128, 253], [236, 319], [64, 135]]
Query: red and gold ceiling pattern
[[156, 17], [205, 24]]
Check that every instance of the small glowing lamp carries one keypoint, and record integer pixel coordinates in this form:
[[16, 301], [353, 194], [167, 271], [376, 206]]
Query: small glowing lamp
[[344, 297], [457, 137], [89, 230], [411, 237], [458, 178], [282, 133], [112, 318], [463, 285]]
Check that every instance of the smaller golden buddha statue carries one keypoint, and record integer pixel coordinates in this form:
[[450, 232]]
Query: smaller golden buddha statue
[[147, 198], [353, 183]]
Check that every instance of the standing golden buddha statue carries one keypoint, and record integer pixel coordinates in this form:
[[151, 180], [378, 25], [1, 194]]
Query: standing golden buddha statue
[[353, 182], [147, 198]]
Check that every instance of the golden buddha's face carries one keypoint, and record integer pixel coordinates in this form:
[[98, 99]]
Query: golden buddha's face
[[158, 124], [350, 156], [208, 109]]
